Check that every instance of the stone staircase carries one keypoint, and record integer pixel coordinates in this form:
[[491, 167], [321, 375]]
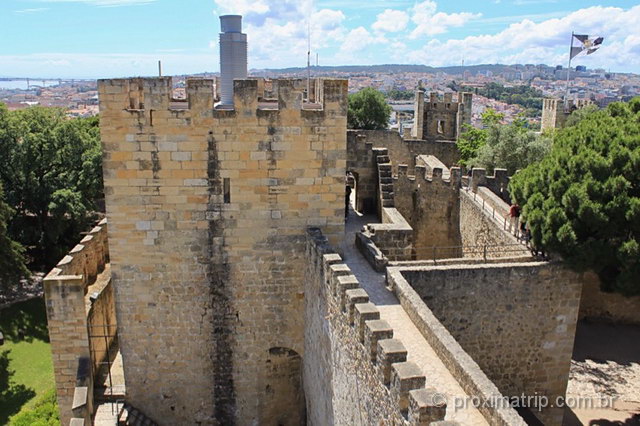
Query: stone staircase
[[131, 416], [385, 180]]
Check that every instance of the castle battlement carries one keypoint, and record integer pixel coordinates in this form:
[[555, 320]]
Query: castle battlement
[[156, 93], [422, 174], [443, 118], [447, 102], [556, 111], [380, 355]]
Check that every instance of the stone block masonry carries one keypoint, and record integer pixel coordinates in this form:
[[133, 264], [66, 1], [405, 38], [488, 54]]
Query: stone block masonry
[[208, 210], [428, 200], [355, 371], [522, 336], [65, 289]]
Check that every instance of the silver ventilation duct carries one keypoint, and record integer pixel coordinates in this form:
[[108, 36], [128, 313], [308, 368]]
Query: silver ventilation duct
[[233, 55]]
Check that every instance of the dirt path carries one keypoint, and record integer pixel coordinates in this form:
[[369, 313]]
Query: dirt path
[[605, 375]]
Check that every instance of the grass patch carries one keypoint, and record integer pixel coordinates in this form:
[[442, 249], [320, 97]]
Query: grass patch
[[26, 369]]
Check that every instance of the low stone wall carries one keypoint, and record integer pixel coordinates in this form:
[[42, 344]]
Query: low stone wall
[[391, 240], [522, 336], [354, 371], [611, 307], [65, 288], [498, 183], [479, 229], [466, 371]]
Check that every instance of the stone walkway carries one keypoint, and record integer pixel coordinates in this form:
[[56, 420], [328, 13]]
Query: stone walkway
[[106, 413], [418, 350]]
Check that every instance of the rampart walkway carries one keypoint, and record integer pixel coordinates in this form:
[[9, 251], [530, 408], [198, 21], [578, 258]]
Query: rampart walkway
[[418, 350]]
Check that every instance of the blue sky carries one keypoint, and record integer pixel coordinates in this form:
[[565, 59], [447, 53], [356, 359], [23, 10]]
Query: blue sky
[[109, 38]]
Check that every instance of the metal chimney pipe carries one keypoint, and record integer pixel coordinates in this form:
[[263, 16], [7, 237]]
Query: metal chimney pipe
[[233, 55]]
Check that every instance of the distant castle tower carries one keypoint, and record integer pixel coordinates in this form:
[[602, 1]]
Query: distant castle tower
[[233, 55], [555, 112], [436, 119]]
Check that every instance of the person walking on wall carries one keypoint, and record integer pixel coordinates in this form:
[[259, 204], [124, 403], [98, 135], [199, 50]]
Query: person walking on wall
[[514, 215]]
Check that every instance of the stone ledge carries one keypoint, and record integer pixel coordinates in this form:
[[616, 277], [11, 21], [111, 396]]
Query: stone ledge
[[426, 406], [376, 330], [405, 377]]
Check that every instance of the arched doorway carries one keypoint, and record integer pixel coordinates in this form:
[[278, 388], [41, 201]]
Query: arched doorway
[[284, 403]]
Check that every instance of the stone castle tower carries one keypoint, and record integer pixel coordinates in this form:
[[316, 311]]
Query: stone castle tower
[[555, 112], [436, 119], [208, 210]]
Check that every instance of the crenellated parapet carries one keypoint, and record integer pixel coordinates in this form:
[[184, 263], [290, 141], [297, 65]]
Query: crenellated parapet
[[423, 177], [498, 183], [144, 95], [379, 357], [556, 111], [85, 260]]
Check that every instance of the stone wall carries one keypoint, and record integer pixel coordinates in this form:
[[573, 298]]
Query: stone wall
[[393, 237], [428, 200], [101, 320], [611, 307], [498, 183], [465, 370], [361, 162], [208, 210], [402, 151], [555, 113], [480, 227], [65, 288], [436, 118], [522, 336], [355, 372]]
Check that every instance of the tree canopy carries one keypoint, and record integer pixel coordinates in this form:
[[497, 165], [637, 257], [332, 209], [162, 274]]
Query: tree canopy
[[12, 260], [50, 167], [582, 201], [512, 146], [368, 110]]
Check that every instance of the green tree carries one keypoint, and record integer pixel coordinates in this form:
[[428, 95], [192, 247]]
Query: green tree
[[511, 147], [580, 114], [582, 201], [368, 110], [51, 170], [472, 139], [12, 260]]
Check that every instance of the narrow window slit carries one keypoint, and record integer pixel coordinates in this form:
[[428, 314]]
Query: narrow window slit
[[226, 185]]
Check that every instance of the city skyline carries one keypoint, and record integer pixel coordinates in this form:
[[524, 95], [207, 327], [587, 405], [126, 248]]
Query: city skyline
[[116, 38]]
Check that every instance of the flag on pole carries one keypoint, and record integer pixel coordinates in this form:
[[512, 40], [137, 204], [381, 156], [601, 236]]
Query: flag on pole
[[588, 44]]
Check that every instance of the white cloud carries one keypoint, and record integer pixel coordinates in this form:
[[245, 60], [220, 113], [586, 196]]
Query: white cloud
[[243, 7], [429, 23], [277, 30], [391, 21], [33, 10], [358, 39], [546, 42]]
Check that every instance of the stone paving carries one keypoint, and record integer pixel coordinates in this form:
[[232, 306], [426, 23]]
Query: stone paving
[[418, 350]]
